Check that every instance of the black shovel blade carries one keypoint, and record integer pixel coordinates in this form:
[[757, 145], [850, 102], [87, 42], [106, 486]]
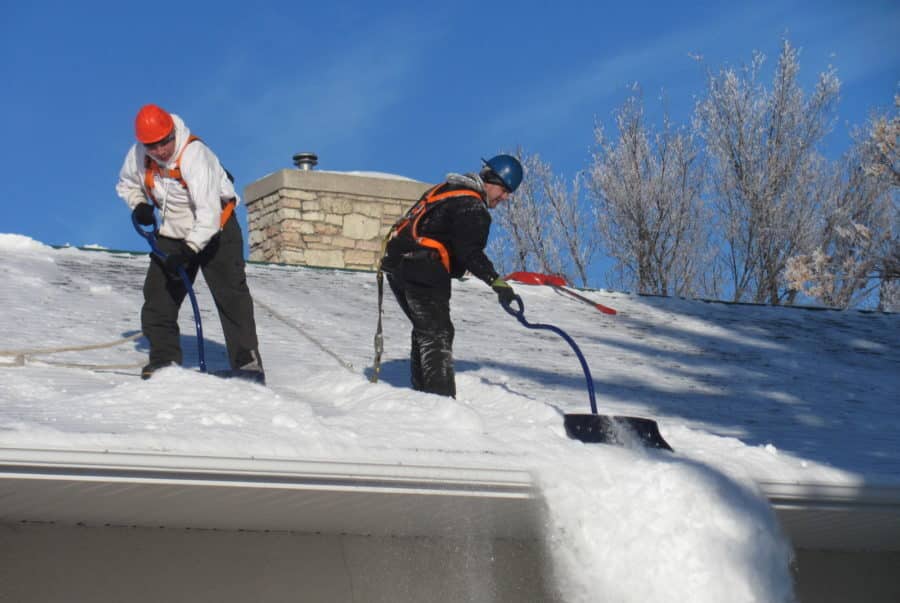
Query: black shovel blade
[[603, 429]]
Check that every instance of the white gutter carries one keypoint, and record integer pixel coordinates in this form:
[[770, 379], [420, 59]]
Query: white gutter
[[799, 495], [124, 488], [127, 488], [264, 472]]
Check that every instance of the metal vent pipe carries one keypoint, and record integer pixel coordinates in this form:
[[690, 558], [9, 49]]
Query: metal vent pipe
[[306, 161]]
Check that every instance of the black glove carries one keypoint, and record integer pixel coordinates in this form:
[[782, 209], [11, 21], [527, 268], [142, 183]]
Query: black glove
[[504, 291], [180, 258], [143, 214]]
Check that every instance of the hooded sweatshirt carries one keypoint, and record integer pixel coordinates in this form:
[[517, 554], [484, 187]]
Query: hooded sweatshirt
[[190, 214]]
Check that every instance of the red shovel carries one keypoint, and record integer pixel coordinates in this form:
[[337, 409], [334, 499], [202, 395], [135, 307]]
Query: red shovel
[[558, 283]]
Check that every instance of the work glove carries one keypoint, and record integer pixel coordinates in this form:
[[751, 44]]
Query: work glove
[[504, 291], [143, 214], [180, 258]]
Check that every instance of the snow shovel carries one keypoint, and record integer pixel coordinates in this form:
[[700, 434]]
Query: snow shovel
[[150, 236], [596, 428], [559, 284]]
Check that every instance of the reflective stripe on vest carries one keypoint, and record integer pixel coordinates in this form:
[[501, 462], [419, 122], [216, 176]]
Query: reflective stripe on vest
[[425, 204], [152, 170]]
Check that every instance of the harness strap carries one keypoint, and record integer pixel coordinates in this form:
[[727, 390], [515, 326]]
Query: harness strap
[[425, 204], [413, 211], [152, 170], [227, 210]]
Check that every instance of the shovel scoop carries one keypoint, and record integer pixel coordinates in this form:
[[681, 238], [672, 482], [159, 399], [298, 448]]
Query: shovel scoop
[[596, 428], [615, 429]]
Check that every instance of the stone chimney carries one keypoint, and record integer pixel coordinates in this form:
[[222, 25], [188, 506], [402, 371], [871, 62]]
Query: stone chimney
[[327, 219]]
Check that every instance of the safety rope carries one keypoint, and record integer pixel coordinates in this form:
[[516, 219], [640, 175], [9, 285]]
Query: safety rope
[[379, 334], [92, 367], [299, 329], [20, 357]]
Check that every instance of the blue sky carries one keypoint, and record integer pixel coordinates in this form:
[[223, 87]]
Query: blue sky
[[398, 87]]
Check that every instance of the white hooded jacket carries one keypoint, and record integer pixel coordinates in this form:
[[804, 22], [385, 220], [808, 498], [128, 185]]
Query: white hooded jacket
[[192, 214]]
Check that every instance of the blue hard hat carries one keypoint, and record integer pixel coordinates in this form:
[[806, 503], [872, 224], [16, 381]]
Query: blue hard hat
[[507, 168]]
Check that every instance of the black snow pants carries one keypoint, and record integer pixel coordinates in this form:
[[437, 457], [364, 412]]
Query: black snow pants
[[431, 351], [222, 264]]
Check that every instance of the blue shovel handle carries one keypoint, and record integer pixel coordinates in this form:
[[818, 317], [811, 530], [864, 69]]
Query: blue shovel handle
[[520, 316], [150, 237]]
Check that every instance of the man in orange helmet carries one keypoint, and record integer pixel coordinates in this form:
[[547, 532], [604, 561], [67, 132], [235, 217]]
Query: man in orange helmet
[[175, 172]]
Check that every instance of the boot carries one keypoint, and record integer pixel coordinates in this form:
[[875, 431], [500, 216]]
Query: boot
[[151, 368], [249, 366]]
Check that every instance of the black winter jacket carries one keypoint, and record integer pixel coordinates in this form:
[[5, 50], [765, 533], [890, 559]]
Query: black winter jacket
[[462, 224]]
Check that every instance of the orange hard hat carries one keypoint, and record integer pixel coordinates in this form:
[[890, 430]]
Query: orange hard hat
[[152, 124]]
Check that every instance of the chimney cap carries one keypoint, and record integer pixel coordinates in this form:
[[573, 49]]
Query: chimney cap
[[306, 160]]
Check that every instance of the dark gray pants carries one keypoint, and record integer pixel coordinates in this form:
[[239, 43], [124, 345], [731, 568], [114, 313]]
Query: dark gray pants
[[431, 349], [222, 264]]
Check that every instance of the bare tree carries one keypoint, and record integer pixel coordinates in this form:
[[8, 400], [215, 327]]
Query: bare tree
[[647, 192], [545, 229], [766, 172]]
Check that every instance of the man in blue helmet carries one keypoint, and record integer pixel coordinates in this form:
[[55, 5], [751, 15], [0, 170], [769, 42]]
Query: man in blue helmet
[[441, 237]]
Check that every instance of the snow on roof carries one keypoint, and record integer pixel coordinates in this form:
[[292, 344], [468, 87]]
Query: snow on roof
[[792, 405], [369, 174]]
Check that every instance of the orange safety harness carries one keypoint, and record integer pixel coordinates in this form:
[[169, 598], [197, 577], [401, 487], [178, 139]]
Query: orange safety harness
[[152, 170], [426, 203]]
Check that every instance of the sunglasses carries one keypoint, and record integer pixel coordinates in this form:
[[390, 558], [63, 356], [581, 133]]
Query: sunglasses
[[160, 143]]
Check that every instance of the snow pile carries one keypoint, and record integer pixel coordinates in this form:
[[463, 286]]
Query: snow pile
[[19, 243], [650, 528]]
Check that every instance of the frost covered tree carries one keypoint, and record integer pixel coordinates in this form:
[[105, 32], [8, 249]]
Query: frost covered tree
[[882, 160], [545, 229], [857, 257], [646, 187], [766, 173], [881, 152], [854, 236]]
